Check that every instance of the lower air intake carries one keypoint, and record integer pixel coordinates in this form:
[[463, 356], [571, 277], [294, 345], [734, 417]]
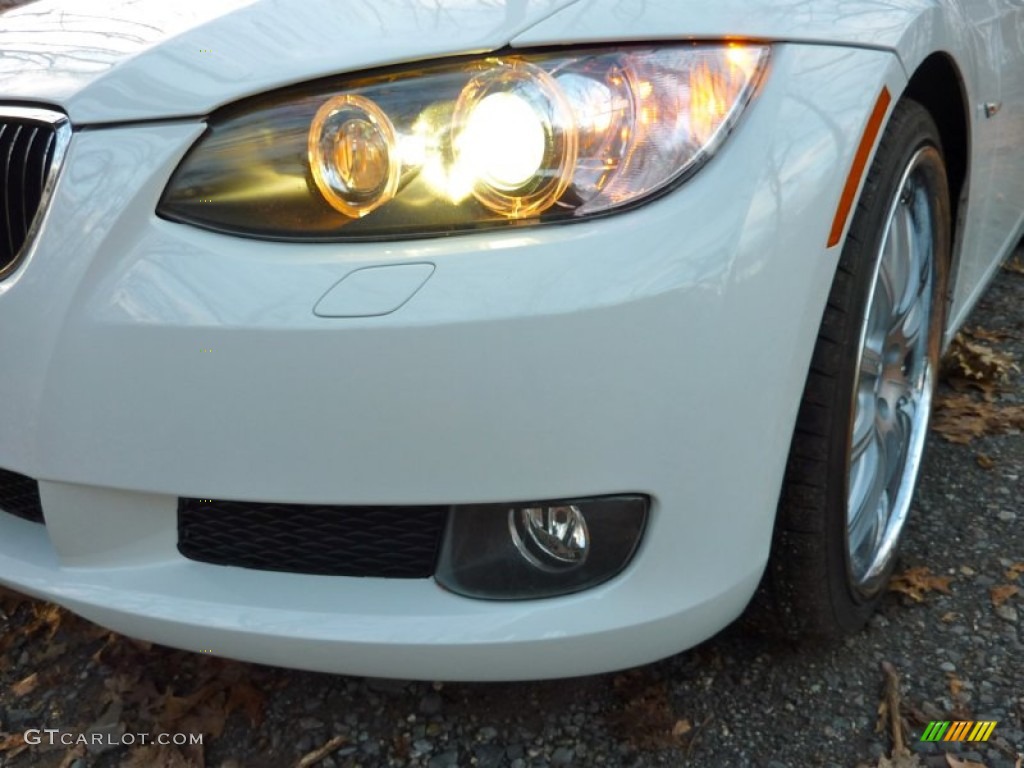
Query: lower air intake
[[388, 542]]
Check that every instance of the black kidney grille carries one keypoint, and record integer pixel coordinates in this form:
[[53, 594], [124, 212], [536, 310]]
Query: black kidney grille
[[19, 496], [26, 153], [392, 542]]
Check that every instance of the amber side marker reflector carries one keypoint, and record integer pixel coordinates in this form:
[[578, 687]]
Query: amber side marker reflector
[[860, 161]]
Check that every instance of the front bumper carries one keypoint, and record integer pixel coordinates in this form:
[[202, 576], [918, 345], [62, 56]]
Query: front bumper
[[661, 352]]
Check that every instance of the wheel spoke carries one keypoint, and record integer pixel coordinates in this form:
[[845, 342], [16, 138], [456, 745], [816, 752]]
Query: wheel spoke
[[864, 472], [866, 496], [894, 272], [871, 362]]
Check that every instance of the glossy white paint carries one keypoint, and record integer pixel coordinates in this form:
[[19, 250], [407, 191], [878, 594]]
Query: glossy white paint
[[637, 353], [106, 61], [985, 38]]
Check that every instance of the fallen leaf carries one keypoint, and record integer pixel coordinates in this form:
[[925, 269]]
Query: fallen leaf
[[249, 699], [1002, 593], [13, 744], [960, 418], [900, 761], [949, 617], [320, 753], [984, 334], [209, 717], [44, 616], [75, 753], [681, 728], [1014, 571], [26, 686], [971, 359], [1016, 264], [177, 707], [984, 461], [914, 582], [643, 714], [956, 762], [955, 685], [153, 756], [53, 651]]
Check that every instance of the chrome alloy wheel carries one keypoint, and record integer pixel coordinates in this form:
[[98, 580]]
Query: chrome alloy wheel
[[898, 355]]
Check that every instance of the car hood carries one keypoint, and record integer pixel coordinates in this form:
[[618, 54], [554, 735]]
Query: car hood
[[117, 60]]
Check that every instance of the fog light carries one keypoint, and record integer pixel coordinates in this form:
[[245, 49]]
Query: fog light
[[539, 549], [550, 537]]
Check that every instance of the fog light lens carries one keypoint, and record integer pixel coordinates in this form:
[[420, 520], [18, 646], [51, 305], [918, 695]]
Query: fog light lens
[[550, 537], [540, 549]]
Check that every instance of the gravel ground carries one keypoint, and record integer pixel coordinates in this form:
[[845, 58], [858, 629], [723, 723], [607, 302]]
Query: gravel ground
[[740, 699]]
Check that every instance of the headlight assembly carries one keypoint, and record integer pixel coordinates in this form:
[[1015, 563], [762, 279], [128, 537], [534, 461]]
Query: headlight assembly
[[497, 141]]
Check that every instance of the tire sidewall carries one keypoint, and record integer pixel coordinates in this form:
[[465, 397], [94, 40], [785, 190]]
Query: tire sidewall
[[912, 130]]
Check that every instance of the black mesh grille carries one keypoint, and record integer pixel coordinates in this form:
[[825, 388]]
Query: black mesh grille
[[19, 496], [393, 542], [26, 152]]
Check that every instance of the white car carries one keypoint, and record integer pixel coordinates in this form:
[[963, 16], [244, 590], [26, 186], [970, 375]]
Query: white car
[[467, 339]]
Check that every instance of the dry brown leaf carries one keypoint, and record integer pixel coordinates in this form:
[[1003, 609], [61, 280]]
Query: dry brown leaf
[[249, 699], [971, 359], [13, 744], [320, 753], [53, 651], [984, 461], [44, 616], [960, 418], [111, 639], [956, 762], [178, 707], [1016, 264], [955, 685], [914, 582], [12, 601], [1014, 571], [152, 756], [1002, 593], [900, 761], [949, 617], [71, 755], [984, 334], [209, 717], [681, 728], [644, 714], [26, 686]]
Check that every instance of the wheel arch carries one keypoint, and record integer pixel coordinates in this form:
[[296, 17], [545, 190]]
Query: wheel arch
[[938, 85]]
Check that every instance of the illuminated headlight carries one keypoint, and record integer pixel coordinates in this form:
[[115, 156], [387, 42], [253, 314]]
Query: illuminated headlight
[[497, 141], [540, 549]]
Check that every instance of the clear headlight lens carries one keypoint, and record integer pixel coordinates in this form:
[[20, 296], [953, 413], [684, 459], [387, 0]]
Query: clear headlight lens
[[490, 142]]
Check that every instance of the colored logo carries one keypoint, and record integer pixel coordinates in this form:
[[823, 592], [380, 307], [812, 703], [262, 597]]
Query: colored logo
[[959, 730]]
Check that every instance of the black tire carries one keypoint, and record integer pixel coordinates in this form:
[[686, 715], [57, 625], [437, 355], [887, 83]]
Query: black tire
[[809, 579]]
